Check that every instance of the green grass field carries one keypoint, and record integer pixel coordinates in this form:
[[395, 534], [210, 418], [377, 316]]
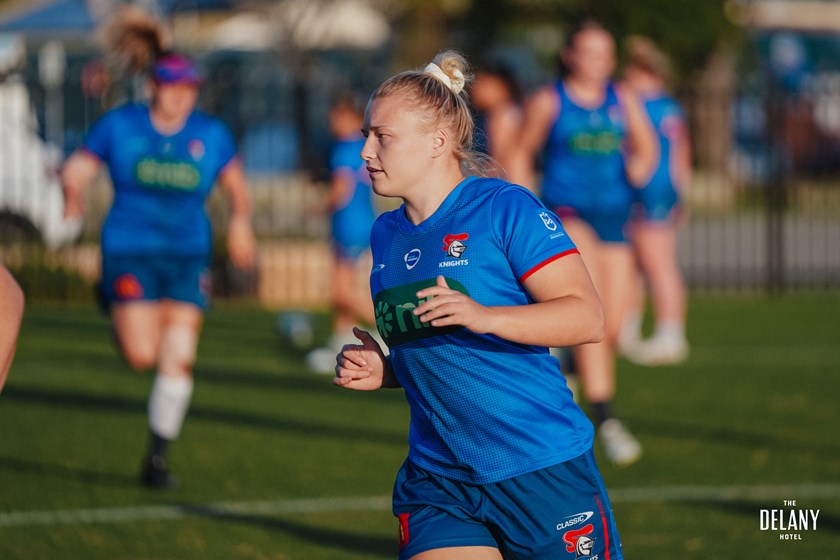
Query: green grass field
[[276, 463]]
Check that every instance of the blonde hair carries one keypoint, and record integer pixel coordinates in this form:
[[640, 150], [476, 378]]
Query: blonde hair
[[133, 39], [439, 91], [642, 53]]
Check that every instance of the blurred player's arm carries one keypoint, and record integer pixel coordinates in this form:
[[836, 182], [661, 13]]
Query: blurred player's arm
[[11, 312], [643, 146], [240, 239], [78, 172], [341, 184], [540, 111], [681, 157]]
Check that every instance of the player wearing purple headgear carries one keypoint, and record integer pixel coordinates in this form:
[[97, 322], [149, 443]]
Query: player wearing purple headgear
[[163, 159]]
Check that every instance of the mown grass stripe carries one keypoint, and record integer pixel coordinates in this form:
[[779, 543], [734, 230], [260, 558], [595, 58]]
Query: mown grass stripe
[[720, 494]]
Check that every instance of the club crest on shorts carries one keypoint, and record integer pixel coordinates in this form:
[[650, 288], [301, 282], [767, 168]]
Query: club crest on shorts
[[579, 541]]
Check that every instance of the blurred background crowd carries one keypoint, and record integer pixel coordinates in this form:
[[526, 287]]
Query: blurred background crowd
[[759, 81]]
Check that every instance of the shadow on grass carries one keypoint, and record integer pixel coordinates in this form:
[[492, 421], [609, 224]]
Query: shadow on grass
[[14, 464], [676, 429], [373, 546], [90, 402]]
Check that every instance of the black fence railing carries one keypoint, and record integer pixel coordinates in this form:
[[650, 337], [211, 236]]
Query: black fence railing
[[764, 207]]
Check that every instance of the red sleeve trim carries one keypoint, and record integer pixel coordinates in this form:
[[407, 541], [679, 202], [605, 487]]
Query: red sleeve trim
[[548, 261]]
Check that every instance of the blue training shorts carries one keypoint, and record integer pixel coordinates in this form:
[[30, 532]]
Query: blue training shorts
[[609, 227], [150, 278], [557, 513], [655, 204]]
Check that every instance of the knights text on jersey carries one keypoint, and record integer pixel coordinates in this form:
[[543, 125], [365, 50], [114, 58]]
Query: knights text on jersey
[[483, 409]]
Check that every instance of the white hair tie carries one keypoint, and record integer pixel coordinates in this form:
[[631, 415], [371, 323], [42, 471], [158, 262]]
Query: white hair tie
[[455, 85]]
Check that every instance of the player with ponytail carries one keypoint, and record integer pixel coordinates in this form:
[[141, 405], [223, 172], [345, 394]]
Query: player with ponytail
[[472, 280], [163, 159]]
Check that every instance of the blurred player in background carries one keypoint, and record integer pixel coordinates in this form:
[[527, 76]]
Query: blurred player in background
[[497, 97], [11, 312], [350, 202], [472, 280], [598, 143], [659, 210], [163, 160]]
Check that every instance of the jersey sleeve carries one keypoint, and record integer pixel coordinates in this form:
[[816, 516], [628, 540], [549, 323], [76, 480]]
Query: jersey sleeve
[[345, 156], [225, 144], [98, 139], [530, 235]]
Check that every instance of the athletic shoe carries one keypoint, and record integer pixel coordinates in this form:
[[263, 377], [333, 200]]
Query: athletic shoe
[[619, 445], [322, 360], [661, 351], [155, 473]]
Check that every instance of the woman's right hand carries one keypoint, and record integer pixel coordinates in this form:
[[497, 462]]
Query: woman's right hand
[[362, 367]]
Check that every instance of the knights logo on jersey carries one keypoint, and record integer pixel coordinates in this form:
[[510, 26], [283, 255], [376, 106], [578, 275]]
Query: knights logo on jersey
[[453, 244], [196, 148], [579, 541]]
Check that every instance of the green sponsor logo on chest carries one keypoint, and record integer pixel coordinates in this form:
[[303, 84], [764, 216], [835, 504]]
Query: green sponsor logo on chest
[[394, 311], [595, 143], [160, 174]]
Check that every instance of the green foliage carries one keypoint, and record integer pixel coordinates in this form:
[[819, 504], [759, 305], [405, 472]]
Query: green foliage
[[689, 31]]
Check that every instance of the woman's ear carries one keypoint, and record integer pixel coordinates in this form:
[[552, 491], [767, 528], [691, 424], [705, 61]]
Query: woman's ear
[[440, 142]]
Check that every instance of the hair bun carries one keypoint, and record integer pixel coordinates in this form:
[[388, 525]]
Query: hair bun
[[455, 83]]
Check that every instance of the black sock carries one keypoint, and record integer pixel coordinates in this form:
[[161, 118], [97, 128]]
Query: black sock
[[601, 411], [157, 445]]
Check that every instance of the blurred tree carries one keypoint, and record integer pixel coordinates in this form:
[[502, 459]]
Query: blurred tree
[[688, 30]]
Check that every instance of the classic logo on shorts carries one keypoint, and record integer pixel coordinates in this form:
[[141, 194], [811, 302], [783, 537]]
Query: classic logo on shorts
[[579, 542], [394, 312]]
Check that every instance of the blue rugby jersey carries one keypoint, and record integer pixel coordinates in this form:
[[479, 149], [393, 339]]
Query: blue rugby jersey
[[351, 222], [160, 182], [483, 409], [667, 118], [583, 165]]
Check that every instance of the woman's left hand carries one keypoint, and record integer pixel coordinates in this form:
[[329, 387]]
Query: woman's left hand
[[240, 242], [446, 307]]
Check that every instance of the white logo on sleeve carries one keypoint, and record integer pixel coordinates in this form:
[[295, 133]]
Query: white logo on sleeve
[[548, 221]]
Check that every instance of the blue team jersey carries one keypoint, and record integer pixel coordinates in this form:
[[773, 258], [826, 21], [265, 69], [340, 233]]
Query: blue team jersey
[[160, 182], [351, 222], [483, 409], [584, 164], [667, 117]]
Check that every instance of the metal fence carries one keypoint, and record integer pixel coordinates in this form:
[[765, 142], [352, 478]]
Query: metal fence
[[764, 206]]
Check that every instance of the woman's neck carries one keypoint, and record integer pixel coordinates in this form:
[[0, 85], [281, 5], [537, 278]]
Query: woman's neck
[[426, 198], [167, 124], [586, 92]]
